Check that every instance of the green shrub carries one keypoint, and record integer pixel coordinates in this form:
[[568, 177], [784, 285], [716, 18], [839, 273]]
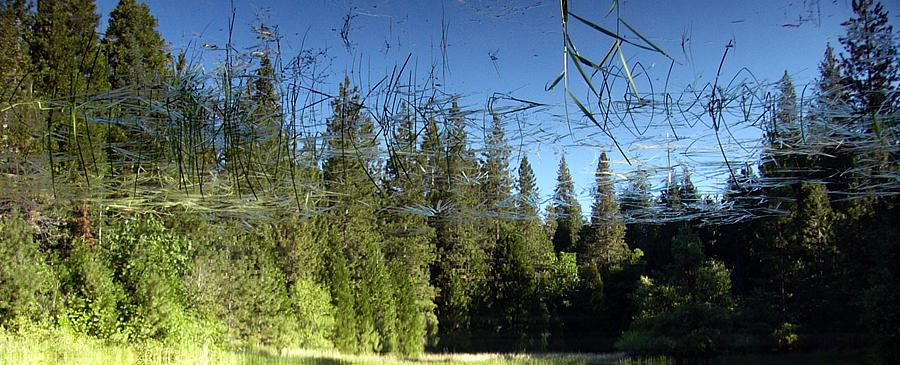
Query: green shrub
[[91, 295], [149, 262], [27, 285], [241, 286]]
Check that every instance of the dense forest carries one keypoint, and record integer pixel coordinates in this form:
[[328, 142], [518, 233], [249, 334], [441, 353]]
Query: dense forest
[[124, 214]]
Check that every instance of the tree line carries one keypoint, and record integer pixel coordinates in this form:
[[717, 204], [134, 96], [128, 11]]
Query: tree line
[[423, 243]]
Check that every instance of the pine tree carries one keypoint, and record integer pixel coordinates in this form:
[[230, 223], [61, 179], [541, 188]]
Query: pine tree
[[408, 237], [566, 210], [13, 55], [498, 183], [65, 50], [830, 115], [349, 172], [460, 269], [15, 137], [603, 243], [136, 59], [68, 62], [636, 204], [832, 95], [785, 160], [526, 185], [866, 233], [871, 68], [135, 51], [266, 140]]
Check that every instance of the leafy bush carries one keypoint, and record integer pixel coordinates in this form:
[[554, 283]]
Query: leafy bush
[[149, 262], [240, 285], [27, 285], [91, 294]]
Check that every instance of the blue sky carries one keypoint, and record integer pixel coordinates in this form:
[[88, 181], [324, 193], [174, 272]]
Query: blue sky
[[524, 36]]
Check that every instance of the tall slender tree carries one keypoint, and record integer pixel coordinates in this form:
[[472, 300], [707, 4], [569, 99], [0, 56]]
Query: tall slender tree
[[566, 211], [603, 243], [408, 238], [68, 62], [460, 270]]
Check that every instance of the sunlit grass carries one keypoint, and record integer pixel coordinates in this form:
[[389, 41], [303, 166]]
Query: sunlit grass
[[63, 347]]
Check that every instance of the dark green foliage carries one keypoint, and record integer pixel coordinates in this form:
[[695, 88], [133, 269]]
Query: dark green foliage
[[689, 310], [603, 240], [67, 62], [13, 50], [870, 66], [408, 241], [134, 49], [498, 184], [566, 211], [459, 271]]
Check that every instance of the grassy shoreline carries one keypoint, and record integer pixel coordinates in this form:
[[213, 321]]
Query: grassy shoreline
[[65, 347]]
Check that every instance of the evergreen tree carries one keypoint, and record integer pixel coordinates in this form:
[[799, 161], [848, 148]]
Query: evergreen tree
[[68, 63], [65, 49], [566, 211], [871, 67], [135, 51], [498, 182], [688, 310], [348, 172], [527, 202], [13, 52], [136, 59], [408, 238], [636, 204], [784, 160], [266, 141], [604, 241], [830, 114], [16, 126], [460, 269]]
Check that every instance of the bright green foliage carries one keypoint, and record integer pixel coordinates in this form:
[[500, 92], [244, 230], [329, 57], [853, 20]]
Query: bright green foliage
[[337, 275], [27, 285], [566, 211], [90, 291], [239, 285], [149, 262], [136, 55], [301, 257]]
